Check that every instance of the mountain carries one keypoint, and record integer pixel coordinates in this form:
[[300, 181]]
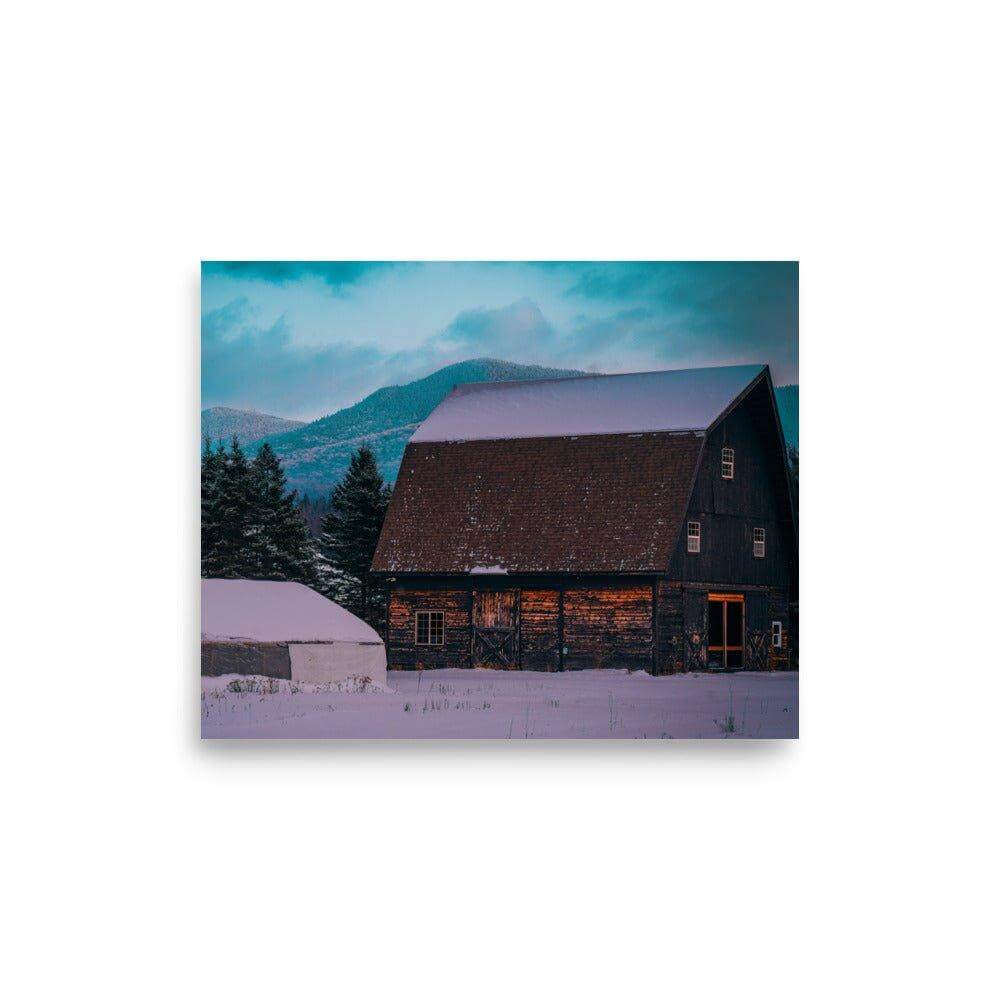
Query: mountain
[[222, 422], [787, 398], [315, 456]]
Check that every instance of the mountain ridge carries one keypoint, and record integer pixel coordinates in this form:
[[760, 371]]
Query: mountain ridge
[[221, 423]]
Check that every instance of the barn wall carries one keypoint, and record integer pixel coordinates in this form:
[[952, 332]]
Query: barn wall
[[267, 659], [540, 628], [604, 623], [404, 601], [669, 628], [608, 626], [728, 509], [778, 610]]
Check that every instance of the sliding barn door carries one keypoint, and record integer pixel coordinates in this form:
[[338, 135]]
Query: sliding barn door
[[495, 632]]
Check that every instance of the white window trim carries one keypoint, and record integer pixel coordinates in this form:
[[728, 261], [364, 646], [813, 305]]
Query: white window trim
[[777, 633], [416, 618], [729, 459], [762, 542], [696, 537]]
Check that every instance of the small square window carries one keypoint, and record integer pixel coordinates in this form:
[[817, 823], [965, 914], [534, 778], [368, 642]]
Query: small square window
[[728, 463], [430, 628], [694, 536], [758, 543], [776, 635]]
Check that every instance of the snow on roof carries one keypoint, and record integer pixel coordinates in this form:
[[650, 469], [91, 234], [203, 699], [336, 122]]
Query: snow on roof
[[269, 611], [683, 400]]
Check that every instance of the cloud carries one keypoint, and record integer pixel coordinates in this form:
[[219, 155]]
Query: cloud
[[519, 327], [247, 365], [714, 312], [338, 276], [611, 317]]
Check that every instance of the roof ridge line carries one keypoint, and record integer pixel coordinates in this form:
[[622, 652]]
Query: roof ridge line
[[584, 375]]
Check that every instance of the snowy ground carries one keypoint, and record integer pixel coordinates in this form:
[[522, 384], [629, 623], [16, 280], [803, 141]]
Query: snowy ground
[[491, 704]]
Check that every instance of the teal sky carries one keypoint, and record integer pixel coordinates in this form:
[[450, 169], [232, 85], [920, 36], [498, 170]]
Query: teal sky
[[302, 339]]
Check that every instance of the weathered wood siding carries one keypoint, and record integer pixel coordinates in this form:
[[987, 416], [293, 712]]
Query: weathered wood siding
[[608, 626], [778, 611], [695, 630], [669, 628], [405, 601], [540, 629], [729, 509], [756, 632]]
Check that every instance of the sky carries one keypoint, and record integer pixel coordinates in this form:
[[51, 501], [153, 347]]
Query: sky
[[302, 339]]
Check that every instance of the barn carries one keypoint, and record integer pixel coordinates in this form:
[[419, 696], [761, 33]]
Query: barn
[[641, 520], [284, 630]]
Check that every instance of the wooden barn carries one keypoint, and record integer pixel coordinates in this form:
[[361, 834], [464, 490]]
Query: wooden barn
[[640, 521]]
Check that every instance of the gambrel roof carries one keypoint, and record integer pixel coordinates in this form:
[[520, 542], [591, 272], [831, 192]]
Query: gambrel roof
[[587, 474]]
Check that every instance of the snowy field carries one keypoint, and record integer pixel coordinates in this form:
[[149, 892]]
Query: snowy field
[[491, 704]]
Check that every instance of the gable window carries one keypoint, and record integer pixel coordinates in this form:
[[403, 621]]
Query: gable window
[[758, 543], [776, 636], [694, 536], [430, 628], [728, 463]]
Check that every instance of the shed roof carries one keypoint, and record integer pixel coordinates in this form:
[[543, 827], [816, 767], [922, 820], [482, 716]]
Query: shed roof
[[682, 400], [272, 611]]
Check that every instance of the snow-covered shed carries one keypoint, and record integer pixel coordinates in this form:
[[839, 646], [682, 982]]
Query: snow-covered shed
[[284, 630], [640, 520]]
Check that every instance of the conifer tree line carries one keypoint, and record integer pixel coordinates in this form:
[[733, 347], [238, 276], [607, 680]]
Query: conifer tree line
[[253, 527]]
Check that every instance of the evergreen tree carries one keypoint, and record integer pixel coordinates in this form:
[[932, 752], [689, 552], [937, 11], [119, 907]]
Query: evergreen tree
[[233, 558], [349, 535], [213, 463], [793, 472], [279, 544]]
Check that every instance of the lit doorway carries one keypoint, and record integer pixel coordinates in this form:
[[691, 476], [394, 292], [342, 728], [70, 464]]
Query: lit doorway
[[725, 631]]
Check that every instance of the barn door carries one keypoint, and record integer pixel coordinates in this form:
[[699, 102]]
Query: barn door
[[757, 632], [725, 631], [495, 628]]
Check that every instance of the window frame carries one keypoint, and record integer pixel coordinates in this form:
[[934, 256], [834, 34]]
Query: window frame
[[416, 626], [762, 542], [696, 537], [777, 632], [728, 461]]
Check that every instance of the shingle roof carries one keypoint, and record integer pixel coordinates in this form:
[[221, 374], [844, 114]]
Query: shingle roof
[[605, 490]]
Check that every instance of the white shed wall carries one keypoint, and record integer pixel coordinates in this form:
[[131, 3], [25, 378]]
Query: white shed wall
[[329, 662]]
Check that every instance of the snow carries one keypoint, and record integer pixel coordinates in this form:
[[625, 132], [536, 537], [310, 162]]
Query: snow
[[269, 611], [687, 400], [493, 704]]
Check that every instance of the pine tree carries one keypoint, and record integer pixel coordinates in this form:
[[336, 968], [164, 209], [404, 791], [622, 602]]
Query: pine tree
[[349, 536], [213, 463], [793, 473], [232, 513], [279, 544]]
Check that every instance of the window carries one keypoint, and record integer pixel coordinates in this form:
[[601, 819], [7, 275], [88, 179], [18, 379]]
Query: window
[[430, 628], [758, 543], [776, 636], [728, 463], [694, 536]]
